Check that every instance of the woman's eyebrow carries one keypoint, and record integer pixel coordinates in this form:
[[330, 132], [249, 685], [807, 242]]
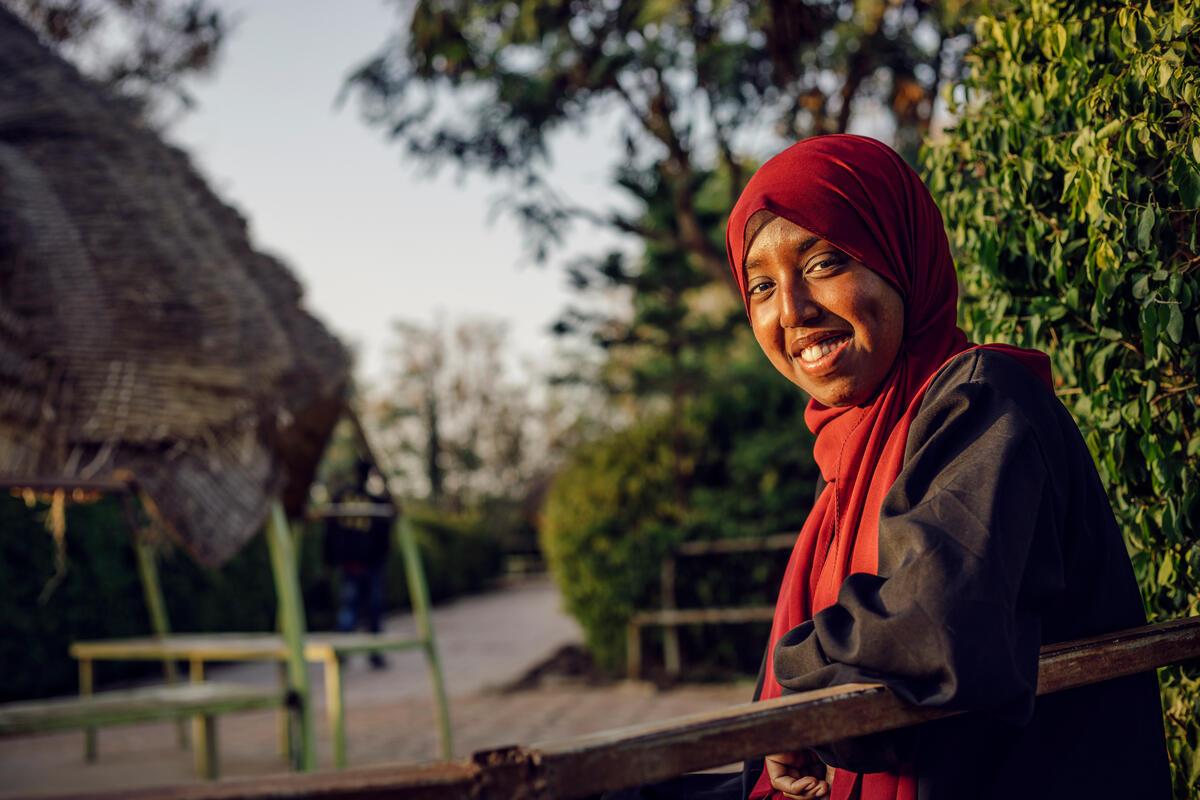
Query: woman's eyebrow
[[801, 249]]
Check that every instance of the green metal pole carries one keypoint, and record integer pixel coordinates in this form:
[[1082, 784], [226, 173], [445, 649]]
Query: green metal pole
[[291, 618], [147, 562], [418, 592]]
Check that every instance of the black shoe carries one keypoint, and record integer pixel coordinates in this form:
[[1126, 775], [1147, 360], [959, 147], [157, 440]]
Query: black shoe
[[377, 661]]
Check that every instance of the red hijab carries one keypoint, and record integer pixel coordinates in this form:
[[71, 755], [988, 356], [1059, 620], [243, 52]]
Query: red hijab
[[858, 194]]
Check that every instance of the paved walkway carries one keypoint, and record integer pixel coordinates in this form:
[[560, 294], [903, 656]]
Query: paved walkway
[[486, 641]]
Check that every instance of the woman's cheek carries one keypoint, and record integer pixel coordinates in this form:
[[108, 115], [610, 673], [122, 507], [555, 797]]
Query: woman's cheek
[[872, 318]]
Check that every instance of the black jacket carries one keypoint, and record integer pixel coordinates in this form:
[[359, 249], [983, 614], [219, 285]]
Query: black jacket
[[357, 541], [995, 539]]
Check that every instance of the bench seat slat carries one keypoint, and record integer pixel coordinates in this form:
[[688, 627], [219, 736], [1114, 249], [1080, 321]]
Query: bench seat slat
[[239, 646], [127, 706]]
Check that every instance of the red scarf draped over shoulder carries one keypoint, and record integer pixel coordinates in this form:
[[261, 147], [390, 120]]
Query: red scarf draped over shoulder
[[859, 195]]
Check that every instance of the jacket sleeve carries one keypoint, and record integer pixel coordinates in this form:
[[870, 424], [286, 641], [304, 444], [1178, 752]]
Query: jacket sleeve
[[968, 555]]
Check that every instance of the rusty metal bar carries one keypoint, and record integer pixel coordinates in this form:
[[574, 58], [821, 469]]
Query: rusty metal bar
[[643, 754]]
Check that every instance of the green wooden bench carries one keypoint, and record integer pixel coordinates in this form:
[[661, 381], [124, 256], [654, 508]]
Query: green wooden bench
[[203, 701]]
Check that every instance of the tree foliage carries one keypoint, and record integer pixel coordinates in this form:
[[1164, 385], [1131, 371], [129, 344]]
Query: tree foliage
[[676, 316], [485, 84], [1071, 189], [145, 50]]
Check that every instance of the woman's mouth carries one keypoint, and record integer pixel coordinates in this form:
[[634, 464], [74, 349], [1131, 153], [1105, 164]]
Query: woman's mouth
[[819, 356]]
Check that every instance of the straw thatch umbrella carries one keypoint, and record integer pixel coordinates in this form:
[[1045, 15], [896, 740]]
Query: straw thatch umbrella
[[141, 335]]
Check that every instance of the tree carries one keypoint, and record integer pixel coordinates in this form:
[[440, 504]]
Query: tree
[[145, 50], [668, 349], [1071, 190], [485, 84], [456, 424]]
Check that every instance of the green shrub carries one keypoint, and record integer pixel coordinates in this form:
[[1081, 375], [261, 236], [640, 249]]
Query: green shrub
[[737, 463], [100, 595], [1071, 188]]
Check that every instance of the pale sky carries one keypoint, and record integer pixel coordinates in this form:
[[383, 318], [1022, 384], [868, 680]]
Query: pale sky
[[371, 239]]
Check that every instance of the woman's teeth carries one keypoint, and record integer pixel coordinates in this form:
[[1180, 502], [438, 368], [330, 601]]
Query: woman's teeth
[[821, 348]]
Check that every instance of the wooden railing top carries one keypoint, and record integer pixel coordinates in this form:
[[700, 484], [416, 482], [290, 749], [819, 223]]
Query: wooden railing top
[[739, 544], [642, 754], [53, 483]]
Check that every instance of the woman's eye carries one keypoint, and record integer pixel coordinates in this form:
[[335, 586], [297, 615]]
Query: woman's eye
[[760, 287], [826, 265]]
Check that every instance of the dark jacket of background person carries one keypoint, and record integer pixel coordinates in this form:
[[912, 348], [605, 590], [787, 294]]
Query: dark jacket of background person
[[357, 542]]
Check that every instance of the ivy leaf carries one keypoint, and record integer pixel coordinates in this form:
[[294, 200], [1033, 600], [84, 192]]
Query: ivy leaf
[[1175, 324], [1141, 287], [1165, 73], [1060, 39], [1145, 227], [1149, 325], [1187, 182], [1110, 128], [1166, 569]]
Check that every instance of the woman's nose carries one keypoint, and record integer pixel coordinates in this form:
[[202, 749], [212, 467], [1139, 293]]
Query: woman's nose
[[798, 307]]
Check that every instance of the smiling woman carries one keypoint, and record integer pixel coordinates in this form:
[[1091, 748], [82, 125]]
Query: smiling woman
[[959, 525]]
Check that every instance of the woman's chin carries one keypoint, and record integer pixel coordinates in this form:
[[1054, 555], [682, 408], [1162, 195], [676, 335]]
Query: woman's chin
[[838, 393]]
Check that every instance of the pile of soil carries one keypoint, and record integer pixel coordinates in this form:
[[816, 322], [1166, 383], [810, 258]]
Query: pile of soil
[[570, 665]]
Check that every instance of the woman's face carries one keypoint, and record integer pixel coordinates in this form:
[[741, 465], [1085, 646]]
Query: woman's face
[[827, 322]]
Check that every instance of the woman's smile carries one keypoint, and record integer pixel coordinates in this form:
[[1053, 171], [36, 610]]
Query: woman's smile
[[817, 354]]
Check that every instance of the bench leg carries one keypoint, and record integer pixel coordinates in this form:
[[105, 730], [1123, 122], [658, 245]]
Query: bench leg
[[284, 720], [206, 747], [196, 675], [633, 651], [86, 677], [335, 709], [671, 659], [670, 633]]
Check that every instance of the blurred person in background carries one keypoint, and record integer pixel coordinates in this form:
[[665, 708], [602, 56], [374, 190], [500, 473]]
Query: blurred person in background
[[358, 546]]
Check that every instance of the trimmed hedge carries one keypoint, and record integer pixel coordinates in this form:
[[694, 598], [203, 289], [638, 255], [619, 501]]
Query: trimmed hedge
[[101, 595], [1071, 190]]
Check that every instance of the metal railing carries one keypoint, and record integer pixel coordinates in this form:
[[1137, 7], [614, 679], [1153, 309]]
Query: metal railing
[[637, 755]]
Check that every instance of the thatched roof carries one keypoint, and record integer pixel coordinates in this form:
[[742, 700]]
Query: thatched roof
[[140, 332]]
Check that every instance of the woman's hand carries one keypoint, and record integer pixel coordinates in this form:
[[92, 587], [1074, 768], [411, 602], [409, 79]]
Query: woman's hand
[[800, 776]]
